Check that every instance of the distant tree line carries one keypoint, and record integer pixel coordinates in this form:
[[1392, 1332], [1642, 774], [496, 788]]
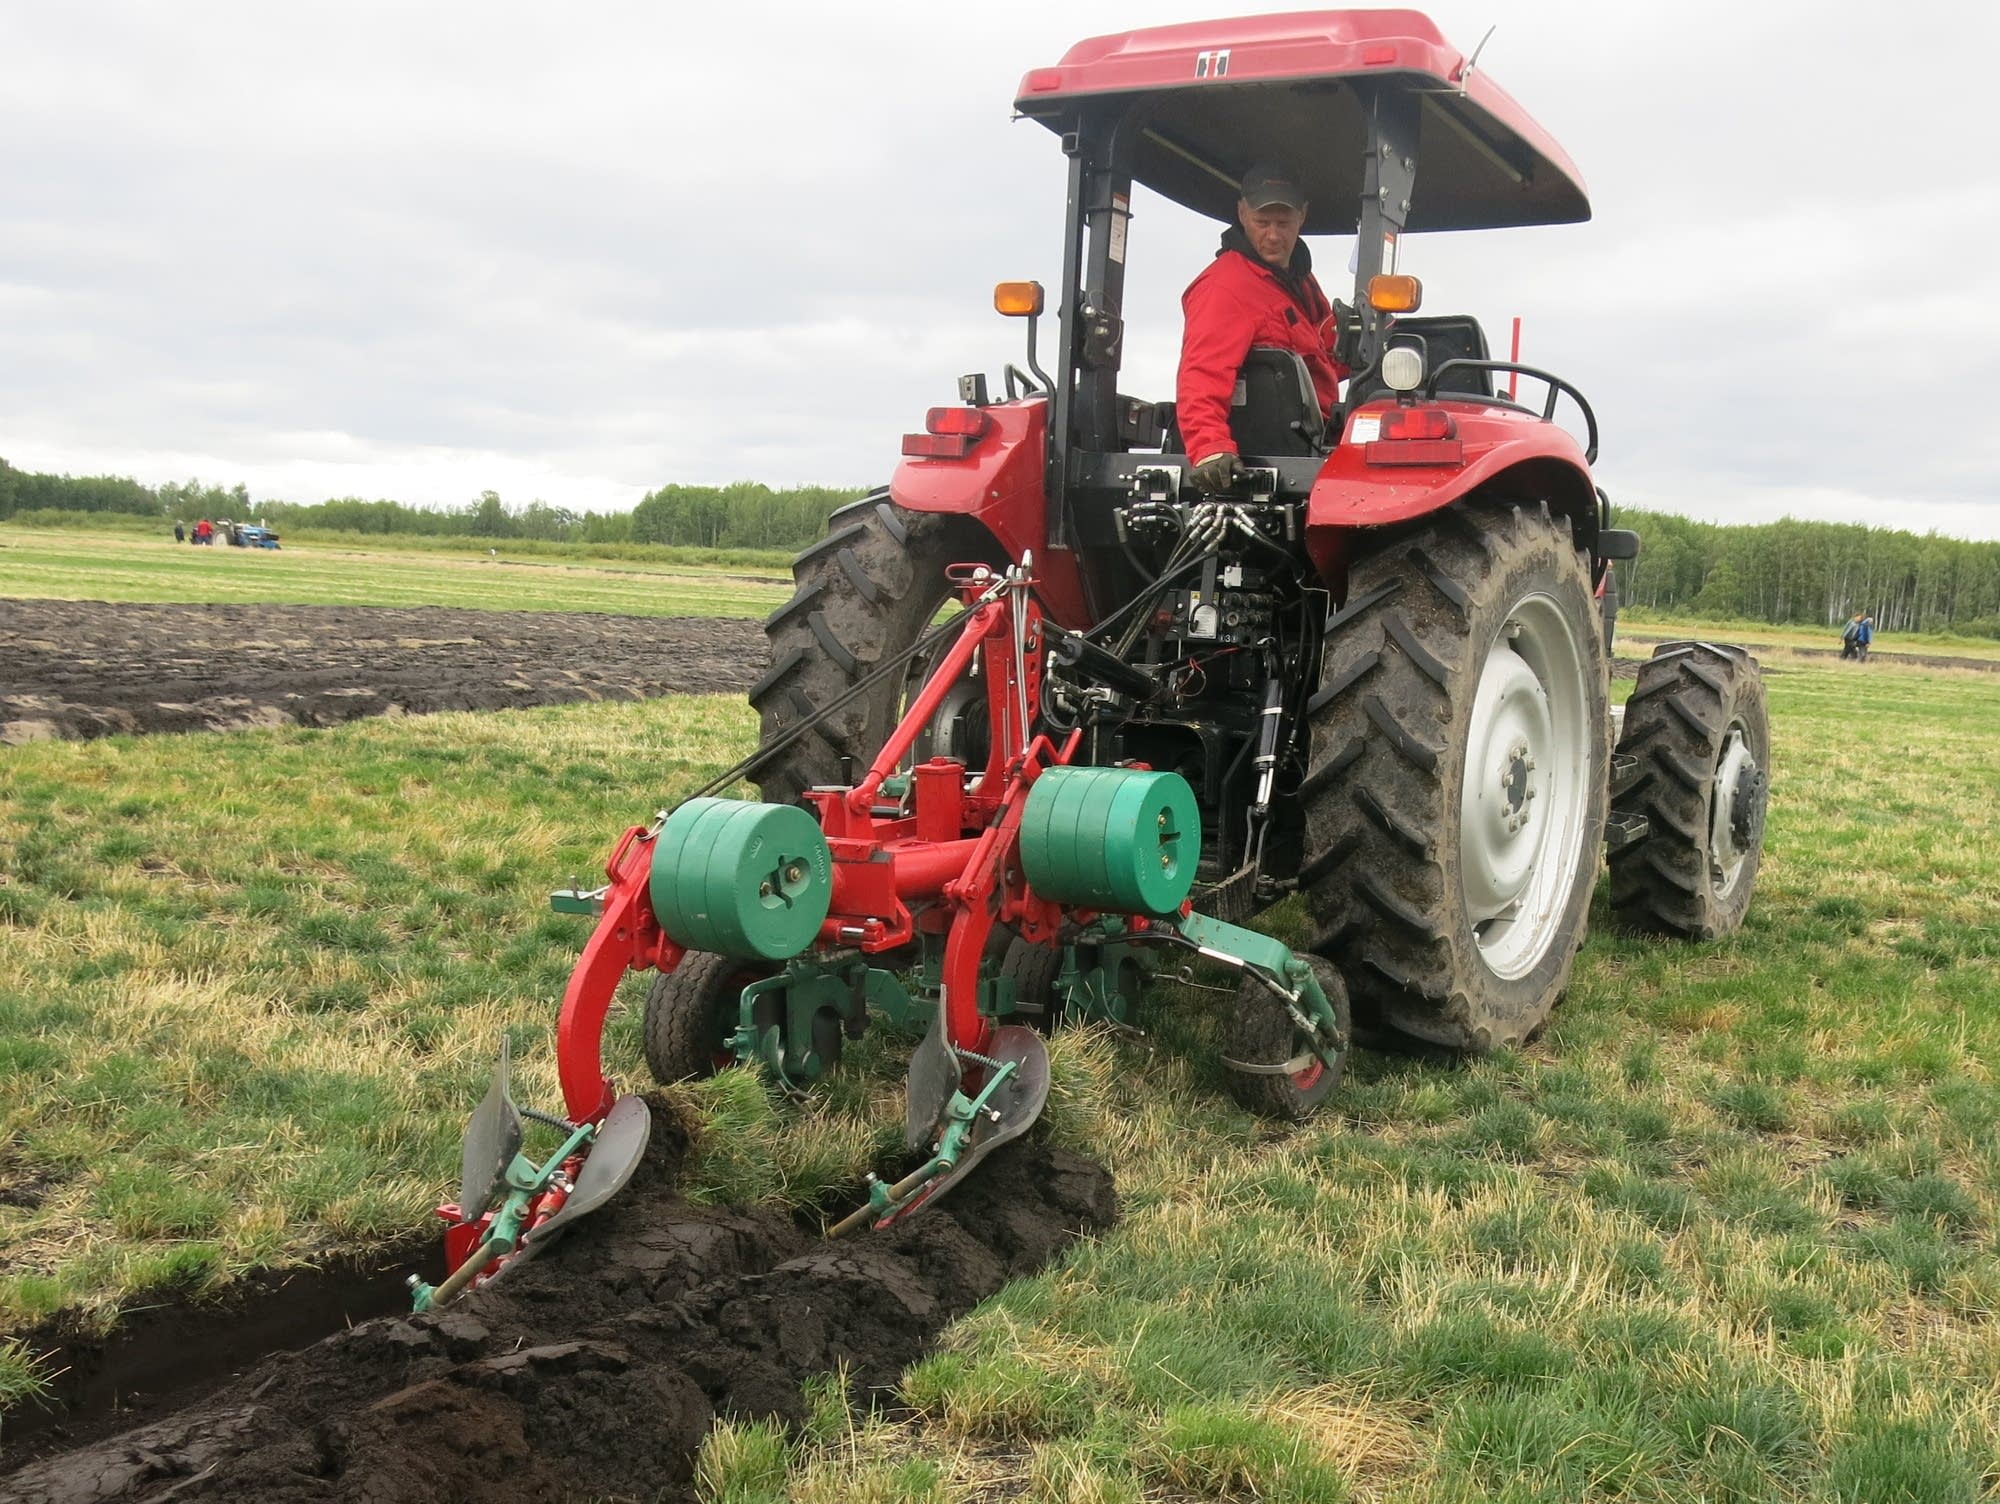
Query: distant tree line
[[1790, 571], [1812, 572]]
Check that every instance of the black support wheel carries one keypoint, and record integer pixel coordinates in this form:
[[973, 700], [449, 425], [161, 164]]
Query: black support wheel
[[864, 593], [690, 1013], [1697, 725], [1033, 970], [1261, 1032], [1455, 797]]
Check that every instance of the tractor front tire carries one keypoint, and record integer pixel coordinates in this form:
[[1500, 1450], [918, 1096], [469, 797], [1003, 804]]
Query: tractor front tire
[[690, 1013], [1455, 795], [1697, 723], [1260, 1031], [864, 593]]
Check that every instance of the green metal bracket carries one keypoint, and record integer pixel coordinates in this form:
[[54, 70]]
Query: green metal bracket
[[849, 990], [576, 899], [1274, 962], [960, 1116]]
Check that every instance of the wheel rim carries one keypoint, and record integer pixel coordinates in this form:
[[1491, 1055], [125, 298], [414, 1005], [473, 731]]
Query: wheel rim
[[957, 727], [1732, 815], [1526, 789]]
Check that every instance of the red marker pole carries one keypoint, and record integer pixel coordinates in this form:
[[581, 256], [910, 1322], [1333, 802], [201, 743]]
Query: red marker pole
[[1514, 377]]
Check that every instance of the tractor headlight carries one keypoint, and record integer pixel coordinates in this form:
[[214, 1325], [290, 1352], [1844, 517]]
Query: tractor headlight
[[1402, 368]]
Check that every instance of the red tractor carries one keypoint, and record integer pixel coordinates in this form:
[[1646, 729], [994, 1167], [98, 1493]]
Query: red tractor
[[1373, 673]]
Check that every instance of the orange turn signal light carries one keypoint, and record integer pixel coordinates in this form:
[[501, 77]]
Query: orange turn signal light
[[1395, 294], [1018, 300]]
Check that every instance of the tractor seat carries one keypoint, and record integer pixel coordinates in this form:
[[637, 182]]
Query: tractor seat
[[1442, 337], [1274, 413]]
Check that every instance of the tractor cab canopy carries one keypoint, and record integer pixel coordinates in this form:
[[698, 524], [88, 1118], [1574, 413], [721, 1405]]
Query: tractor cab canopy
[[1390, 126], [1191, 106]]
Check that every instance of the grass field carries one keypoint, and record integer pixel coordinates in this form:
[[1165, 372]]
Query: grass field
[[124, 563], [119, 566], [1727, 1231]]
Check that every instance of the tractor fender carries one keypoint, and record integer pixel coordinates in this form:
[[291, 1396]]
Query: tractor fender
[[1503, 451], [1000, 483]]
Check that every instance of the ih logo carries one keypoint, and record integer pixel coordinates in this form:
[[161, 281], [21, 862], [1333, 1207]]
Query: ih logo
[[1211, 64]]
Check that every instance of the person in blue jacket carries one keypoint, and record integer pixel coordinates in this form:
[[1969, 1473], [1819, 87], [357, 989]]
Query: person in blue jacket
[[1866, 636]]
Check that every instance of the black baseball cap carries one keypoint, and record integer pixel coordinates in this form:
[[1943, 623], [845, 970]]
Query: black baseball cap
[[1267, 184]]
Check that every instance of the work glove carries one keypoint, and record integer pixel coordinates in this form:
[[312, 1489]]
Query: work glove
[[1217, 473]]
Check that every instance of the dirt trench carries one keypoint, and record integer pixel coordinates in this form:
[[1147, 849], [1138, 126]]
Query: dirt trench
[[595, 1370], [74, 670]]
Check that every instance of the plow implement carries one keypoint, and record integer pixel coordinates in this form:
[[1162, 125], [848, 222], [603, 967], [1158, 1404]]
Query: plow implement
[[931, 894], [1333, 626]]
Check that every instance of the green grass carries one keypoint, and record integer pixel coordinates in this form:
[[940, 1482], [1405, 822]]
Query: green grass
[[68, 564], [1729, 1230]]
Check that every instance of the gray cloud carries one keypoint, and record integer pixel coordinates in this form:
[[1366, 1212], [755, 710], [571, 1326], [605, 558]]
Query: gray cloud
[[418, 251]]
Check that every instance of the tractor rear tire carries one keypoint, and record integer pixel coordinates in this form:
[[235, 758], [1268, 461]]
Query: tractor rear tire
[[864, 593], [1261, 1032], [1697, 723], [1455, 794], [690, 1013]]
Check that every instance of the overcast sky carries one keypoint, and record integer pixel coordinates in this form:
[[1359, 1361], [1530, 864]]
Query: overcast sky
[[575, 252]]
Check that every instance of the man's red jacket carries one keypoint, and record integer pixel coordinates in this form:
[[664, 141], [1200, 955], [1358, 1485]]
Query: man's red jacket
[[1239, 301]]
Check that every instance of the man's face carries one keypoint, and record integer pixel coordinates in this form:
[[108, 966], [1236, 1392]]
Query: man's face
[[1273, 232]]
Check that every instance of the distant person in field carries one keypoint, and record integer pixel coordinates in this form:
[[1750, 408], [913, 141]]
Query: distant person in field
[[180, 533], [204, 532], [1850, 638], [1259, 290], [1867, 637]]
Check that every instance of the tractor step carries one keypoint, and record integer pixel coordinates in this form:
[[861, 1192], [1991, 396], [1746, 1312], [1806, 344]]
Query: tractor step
[[1624, 768], [1622, 830]]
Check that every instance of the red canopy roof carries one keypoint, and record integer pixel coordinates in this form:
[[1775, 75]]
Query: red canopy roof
[[1209, 98]]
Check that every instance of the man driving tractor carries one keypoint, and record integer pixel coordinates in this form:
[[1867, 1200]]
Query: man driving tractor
[[1258, 291]]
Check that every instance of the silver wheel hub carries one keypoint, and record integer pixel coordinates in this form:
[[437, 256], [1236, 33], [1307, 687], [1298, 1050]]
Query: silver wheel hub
[[1735, 817], [1526, 789]]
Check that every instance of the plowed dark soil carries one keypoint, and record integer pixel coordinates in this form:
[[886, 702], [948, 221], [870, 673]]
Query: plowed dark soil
[[595, 1370], [79, 669]]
